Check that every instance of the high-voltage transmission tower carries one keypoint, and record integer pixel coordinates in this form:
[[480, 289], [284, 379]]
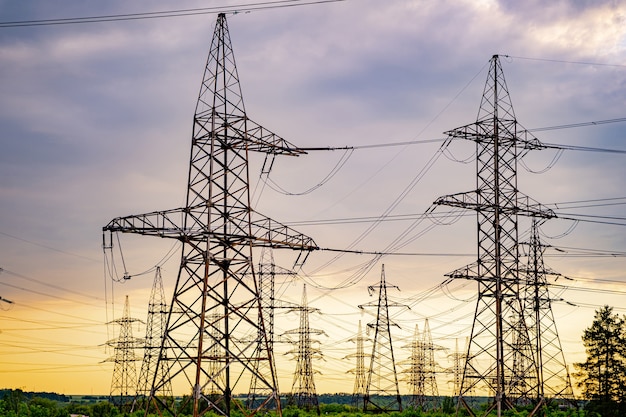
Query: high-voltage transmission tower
[[155, 329], [458, 363], [382, 391], [554, 379], [124, 381], [500, 142], [266, 277], [210, 347], [360, 379], [421, 371], [303, 392]]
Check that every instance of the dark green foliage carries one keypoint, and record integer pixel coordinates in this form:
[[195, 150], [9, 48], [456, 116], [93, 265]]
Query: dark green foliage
[[602, 376], [447, 405], [15, 404], [103, 409]]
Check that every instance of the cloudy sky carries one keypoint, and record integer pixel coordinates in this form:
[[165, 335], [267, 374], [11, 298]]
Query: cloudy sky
[[96, 123]]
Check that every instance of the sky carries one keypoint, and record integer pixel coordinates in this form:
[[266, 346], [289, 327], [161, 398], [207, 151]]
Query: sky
[[96, 123]]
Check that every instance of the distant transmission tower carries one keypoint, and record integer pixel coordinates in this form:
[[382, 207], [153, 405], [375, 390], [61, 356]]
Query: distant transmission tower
[[215, 307], [523, 383], [415, 371], [266, 274], [155, 329], [303, 393], [554, 379], [383, 392], [421, 370], [124, 381], [458, 363], [500, 142], [430, 369], [360, 380]]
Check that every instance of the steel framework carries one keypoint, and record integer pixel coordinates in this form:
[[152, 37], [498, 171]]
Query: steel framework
[[266, 274], [382, 392], [500, 142], [216, 306], [124, 381], [155, 329], [554, 379], [360, 381], [458, 363], [303, 392], [421, 370]]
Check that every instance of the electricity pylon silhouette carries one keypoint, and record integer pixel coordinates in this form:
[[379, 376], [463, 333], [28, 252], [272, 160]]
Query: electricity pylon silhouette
[[458, 363], [267, 272], [421, 371], [382, 392], [303, 392], [500, 142], [415, 371], [124, 381], [554, 378], [215, 306], [360, 380], [523, 384], [431, 391], [155, 329]]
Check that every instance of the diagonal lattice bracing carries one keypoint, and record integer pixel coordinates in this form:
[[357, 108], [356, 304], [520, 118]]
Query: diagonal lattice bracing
[[497, 358], [421, 370], [303, 392], [124, 380], [360, 379], [210, 347], [155, 329], [555, 384], [382, 390]]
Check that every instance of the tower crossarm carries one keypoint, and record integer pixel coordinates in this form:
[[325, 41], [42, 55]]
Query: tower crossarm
[[157, 223], [482, 132], [268, 232], [254, 137], [477, 201], [242, 133], [467, 272], [264, 231]]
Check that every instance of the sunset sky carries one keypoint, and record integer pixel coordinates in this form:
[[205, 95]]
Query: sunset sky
[[96, 123]]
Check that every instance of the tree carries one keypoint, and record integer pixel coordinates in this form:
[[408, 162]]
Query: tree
[[602, 376]]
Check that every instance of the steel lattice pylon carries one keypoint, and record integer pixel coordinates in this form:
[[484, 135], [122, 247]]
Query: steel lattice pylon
[[554, 378], [360, 381], [215, 313], [303, 392], [458, 363], [383, 392], [155, 329], [421, 370], [495, 335], [124, 381]]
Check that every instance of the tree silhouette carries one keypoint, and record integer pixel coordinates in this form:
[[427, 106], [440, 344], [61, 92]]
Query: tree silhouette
[[602, 377]]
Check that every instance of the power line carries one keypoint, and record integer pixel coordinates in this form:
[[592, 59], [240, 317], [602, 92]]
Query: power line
[[582, 124], [566, 62], [48, 247], [236, 8], [589, 218], [538, 129], [383, 253], [49, 285], [590, 203], [583, 148]]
